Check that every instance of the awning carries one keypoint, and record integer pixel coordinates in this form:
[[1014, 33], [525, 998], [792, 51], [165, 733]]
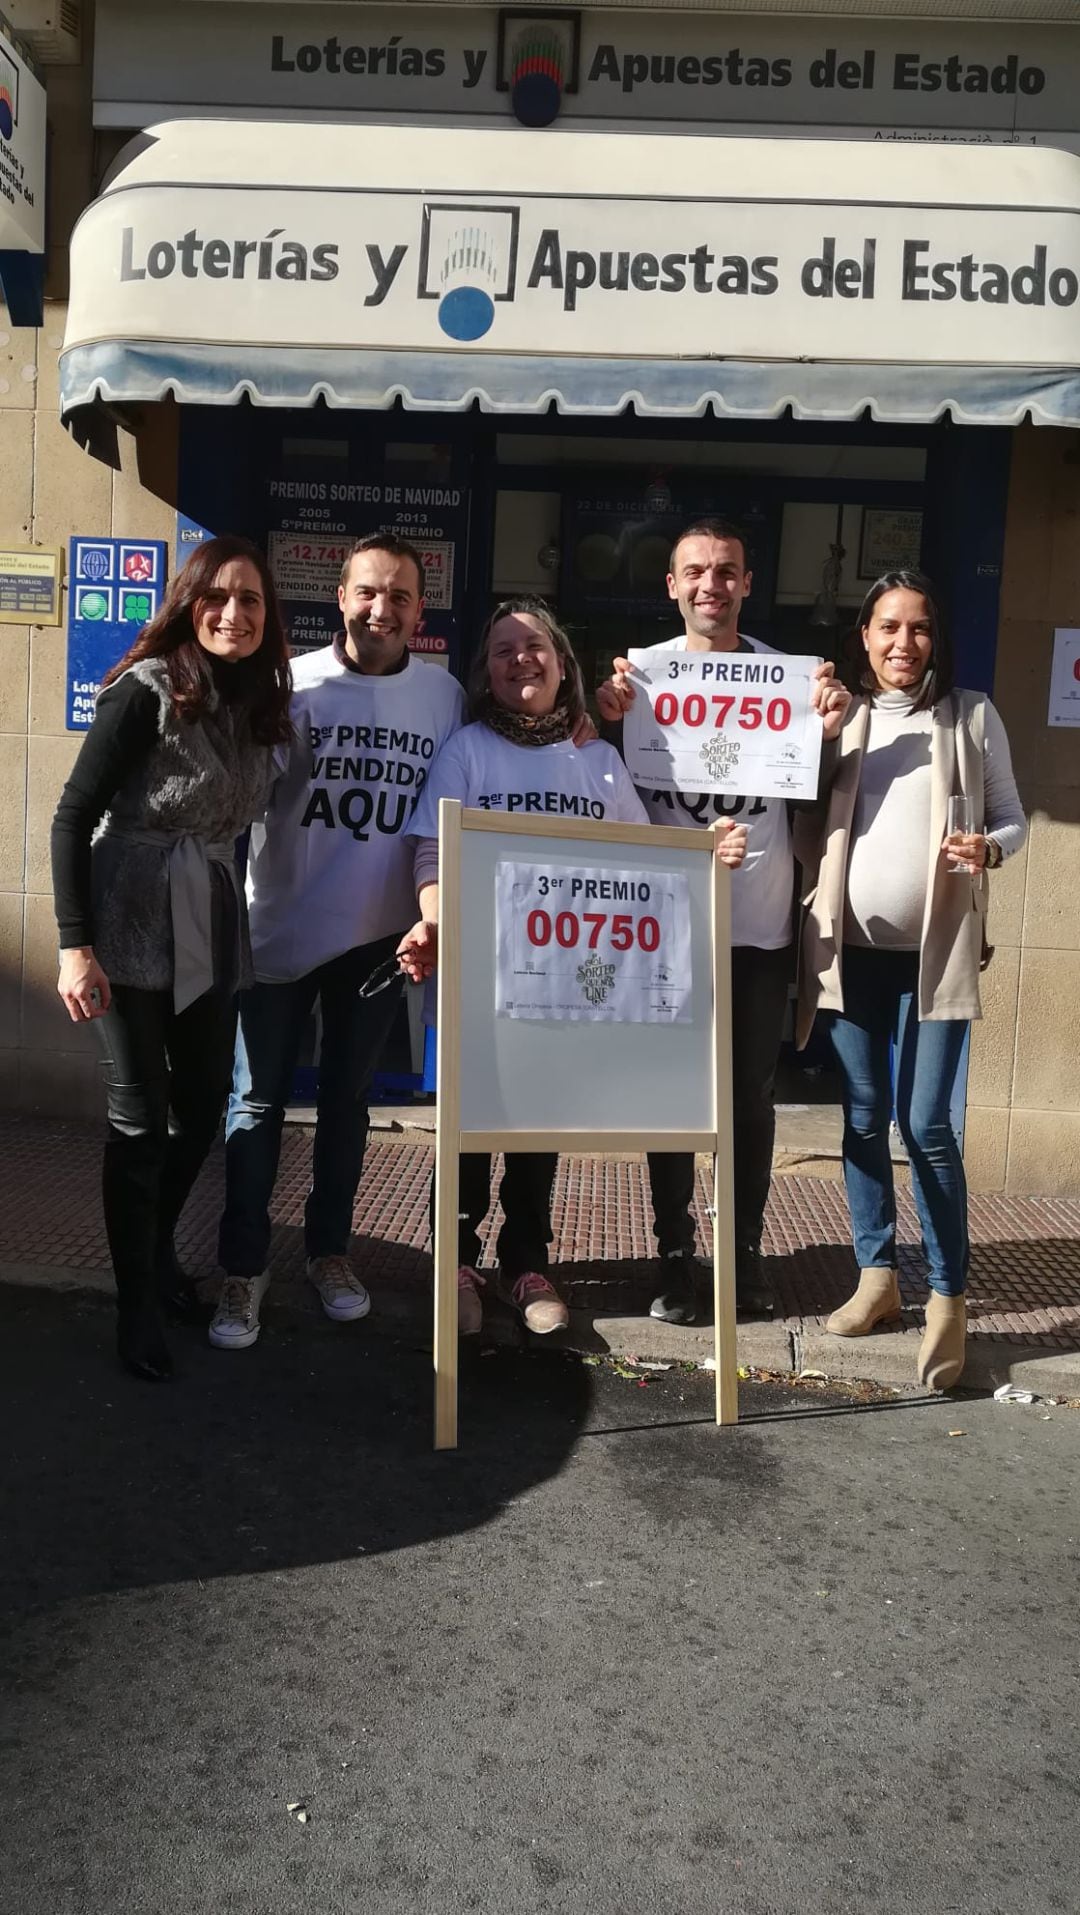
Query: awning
[[292, 263]]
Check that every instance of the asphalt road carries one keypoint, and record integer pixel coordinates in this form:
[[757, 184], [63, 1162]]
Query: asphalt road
[[604, 1659]]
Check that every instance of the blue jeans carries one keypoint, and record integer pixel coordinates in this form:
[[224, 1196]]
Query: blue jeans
[[273, 1018], [879, 990]]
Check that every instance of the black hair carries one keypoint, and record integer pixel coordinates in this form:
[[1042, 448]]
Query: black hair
[[171, 636], [940, 675], [398, 548], [714, 529]]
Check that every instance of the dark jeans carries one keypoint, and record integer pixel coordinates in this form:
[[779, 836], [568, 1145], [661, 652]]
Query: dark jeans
[[879, 988], [273, 1018], [166, 1078], [759, 993], [525, 1196]]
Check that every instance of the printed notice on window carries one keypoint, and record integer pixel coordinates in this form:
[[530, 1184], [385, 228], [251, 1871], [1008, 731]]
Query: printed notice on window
[[738, 722], [1065, 678], [592, 945]]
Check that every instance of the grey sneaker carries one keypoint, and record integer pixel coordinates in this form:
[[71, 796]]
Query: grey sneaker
[[341, 1292], [235, 1324]]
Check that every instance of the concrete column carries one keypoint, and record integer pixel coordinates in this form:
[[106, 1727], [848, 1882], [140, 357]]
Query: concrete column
[[1023, 1122]]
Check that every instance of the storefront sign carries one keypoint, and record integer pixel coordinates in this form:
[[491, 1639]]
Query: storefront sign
[[22, 150], [790, 268], [735, 722], [950, 80], [115, 586], [592, 945], [1065, 679], [30, 583]]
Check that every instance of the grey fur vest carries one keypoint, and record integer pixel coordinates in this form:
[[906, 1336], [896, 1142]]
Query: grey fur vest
[[207, 781]]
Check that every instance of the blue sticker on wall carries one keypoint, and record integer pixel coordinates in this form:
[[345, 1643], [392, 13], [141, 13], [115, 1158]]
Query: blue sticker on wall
[[115, 588]]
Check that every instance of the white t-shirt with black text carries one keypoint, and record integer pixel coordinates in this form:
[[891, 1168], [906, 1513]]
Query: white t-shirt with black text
[[330, 866], [761, 889], [564, 780]]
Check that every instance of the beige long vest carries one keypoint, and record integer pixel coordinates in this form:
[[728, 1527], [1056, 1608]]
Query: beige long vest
[[950, 950]]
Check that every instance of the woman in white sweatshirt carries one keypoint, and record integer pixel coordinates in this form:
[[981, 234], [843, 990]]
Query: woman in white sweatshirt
[[527, 703], [893, 943]]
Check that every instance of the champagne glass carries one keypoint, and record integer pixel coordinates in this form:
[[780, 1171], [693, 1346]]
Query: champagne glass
[[961, 818]]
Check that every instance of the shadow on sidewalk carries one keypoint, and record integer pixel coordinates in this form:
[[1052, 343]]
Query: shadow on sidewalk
[[313, 1447]]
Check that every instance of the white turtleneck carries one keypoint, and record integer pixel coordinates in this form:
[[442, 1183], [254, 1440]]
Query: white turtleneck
[[885, 899]]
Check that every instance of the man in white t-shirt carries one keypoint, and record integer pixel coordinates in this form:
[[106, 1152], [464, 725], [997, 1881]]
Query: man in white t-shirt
[[709, 578], [330, 892]]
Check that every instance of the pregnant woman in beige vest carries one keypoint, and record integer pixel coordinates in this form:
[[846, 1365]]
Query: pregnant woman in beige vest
[[893, 943]]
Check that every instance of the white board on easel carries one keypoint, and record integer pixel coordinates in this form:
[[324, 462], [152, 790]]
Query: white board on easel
[[580, 1087]]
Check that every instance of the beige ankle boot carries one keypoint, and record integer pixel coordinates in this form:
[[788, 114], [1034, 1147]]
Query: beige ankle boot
[[877, 1300], [942, 1350]]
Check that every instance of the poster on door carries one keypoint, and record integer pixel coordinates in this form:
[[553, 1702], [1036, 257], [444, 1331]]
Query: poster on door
[[325, 495], [583, 944], [1065, 678]]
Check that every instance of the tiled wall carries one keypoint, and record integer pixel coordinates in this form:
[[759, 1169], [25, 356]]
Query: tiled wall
[[50, 488], [1023, 1123]]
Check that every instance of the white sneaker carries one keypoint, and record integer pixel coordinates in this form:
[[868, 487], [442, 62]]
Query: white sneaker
[[236, 1319], [341, 1292]]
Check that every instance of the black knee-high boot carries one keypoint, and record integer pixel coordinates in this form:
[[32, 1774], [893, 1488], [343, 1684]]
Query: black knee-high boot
[[130, 1179]]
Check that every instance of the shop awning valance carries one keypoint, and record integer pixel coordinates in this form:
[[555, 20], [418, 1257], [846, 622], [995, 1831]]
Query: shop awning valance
[[290, 263]]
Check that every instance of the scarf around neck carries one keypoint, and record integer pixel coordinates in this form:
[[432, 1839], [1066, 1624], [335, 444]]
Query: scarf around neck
[[520, 729]]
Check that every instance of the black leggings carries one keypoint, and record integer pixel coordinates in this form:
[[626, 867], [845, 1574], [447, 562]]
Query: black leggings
[[166, 1077], [525, 1196]]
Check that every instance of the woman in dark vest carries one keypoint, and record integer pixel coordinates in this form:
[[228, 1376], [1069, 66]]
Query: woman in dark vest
[[149, 903]]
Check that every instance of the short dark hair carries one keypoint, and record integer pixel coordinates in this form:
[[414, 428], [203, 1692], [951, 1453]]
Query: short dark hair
[[571, 698], [940, 675], [713, 529], [386, 542], [171, 636]]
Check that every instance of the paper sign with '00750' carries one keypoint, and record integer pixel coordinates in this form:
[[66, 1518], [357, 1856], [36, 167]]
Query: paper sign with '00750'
[[733, 722], [585, 944]]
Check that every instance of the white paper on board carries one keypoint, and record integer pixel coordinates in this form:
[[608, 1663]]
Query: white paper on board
[[1065, 678], [732, 722], [590, 944]]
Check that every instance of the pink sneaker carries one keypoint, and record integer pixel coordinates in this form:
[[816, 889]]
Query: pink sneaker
[[540, 1303], [470, 1319]]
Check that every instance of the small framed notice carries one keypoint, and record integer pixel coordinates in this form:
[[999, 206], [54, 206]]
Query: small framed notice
[[1065, 678], [30, 578], [584, 1006], [578, 943], [889, 542]]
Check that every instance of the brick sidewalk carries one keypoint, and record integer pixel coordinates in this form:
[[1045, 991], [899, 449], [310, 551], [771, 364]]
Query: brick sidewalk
[[1024, 1290]]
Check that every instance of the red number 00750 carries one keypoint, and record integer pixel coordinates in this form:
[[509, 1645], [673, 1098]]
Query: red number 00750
[[569, 930], [694, 709]]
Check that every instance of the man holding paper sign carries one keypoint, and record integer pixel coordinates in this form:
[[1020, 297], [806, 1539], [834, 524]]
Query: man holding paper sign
[[716, 725]]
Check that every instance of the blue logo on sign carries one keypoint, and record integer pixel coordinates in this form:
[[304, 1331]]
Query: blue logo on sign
[[468, 264], [468, 277], [94, 562], [466, 312]]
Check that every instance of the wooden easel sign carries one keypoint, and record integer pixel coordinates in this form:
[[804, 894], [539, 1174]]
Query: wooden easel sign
[[584, 994]]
